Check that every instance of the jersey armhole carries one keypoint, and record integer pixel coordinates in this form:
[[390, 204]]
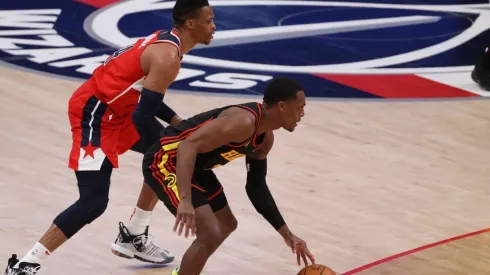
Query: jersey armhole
[[252, 137]]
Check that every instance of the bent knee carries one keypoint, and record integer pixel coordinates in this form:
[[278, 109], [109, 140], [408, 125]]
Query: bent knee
[[211, 237], [229, 226], [97, 207]]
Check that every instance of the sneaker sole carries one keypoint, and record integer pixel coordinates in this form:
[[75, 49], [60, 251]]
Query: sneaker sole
[[127, 254], [121, 252]]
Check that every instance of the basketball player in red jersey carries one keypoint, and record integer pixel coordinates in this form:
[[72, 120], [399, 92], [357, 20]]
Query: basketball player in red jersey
[[179, 169], [103, 126]]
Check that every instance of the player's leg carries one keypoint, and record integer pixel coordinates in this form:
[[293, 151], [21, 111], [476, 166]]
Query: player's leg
[[159, 173], [208, 238], [93, 187], [214, 222], [93, 171], [133, 240], [218, 202], [147, 199], [139, 218]]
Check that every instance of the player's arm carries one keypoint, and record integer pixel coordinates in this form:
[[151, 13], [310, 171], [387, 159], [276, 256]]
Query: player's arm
[[168, 115], [257, 189], [264, 203], [161, 64], [232, 127], [218, 132]]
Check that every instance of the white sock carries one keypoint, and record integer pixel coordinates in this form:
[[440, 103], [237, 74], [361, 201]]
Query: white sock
[[36, 255], [138, 221]]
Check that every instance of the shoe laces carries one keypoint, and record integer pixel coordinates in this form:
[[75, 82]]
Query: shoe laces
[[146, 241]]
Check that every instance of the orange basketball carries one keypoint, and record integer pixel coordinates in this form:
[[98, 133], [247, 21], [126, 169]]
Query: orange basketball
[[317, 269]]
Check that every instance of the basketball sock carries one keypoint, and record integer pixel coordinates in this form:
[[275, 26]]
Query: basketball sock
[[36, 255], [139, 221]]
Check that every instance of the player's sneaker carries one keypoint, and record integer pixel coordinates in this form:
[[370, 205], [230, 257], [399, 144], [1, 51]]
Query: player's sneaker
[[176, 272], [140, 247], [24, 268], [478, 79]]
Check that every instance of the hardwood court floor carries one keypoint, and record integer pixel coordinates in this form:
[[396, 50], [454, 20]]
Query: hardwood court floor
[[359, 181]]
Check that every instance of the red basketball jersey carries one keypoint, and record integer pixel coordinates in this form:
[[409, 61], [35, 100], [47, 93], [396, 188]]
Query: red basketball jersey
[[119, 80]]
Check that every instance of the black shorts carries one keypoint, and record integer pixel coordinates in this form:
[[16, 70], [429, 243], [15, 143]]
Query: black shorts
[[159, 171]]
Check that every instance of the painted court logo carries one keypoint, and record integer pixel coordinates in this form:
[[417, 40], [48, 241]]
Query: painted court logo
[[337, 49]]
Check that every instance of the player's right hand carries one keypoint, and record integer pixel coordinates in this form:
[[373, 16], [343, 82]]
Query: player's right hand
[[299, 247], [185, 218], [175, 120]]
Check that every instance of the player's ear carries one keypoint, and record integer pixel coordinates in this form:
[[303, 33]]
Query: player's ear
[[281, 105], [190, 24]]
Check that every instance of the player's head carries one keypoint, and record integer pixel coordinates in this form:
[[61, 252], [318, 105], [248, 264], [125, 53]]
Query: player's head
[[287, 98], [196, 17]]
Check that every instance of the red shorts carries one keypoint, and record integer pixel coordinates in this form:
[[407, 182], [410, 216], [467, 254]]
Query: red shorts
[[97, 132]]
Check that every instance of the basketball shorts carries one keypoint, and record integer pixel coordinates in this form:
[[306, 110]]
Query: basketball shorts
[[159, 170], [97, 133]]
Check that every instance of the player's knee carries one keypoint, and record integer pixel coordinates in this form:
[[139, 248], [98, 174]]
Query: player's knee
[[229, 226], [82, 212], [211, 237], [97, 207]]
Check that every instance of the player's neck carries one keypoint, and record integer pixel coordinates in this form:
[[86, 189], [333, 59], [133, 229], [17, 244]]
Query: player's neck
[[186, 41], [267, 122]]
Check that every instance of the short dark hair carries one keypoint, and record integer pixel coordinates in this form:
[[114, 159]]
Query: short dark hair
[[185, 9], [281, 89]]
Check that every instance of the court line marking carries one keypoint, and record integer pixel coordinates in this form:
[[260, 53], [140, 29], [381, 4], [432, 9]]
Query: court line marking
[[418, 249]]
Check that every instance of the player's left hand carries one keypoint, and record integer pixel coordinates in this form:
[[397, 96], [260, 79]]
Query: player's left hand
[[299, 247]]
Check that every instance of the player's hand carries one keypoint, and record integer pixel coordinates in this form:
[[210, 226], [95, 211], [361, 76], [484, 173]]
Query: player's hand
[[175, 120], [299, 247], [185, 218]]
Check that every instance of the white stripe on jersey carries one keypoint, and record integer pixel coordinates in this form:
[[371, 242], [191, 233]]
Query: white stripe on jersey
[[138, 85]]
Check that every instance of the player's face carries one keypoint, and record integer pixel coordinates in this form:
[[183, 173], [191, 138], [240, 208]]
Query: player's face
[[293, 111], [205, 26]]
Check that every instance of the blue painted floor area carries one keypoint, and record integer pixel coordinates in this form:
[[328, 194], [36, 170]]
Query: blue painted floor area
[[324, 38]]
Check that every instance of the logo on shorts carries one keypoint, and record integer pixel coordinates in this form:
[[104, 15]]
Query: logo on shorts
[[328, 46], [171, 182]]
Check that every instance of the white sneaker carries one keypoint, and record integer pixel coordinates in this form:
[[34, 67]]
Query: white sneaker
[[140, 247]]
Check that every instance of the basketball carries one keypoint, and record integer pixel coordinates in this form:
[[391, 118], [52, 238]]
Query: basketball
[[317, 269]]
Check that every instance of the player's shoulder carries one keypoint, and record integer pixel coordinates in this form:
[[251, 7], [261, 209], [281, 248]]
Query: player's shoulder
[[242, 112], [163, 51], [239, 117], [168, 35]]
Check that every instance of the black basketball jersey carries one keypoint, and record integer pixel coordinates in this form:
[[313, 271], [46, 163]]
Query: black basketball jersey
[[221, 155]]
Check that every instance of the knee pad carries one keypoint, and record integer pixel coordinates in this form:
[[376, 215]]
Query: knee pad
[[82, 212], [96, 208], [94, 192]]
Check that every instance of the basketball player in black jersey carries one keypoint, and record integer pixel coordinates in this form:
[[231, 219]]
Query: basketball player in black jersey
[[179, 169]]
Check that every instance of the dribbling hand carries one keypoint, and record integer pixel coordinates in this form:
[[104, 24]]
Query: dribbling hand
[[185, 218], [299, 247]]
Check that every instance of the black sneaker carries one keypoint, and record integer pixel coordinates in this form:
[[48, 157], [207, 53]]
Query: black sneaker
[[24, 268]]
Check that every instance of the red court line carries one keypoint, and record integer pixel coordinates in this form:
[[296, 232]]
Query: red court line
[[98, 3], [418, 249], [398, 86]]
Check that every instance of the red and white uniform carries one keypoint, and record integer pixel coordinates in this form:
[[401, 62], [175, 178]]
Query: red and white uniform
[[100, 110]]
